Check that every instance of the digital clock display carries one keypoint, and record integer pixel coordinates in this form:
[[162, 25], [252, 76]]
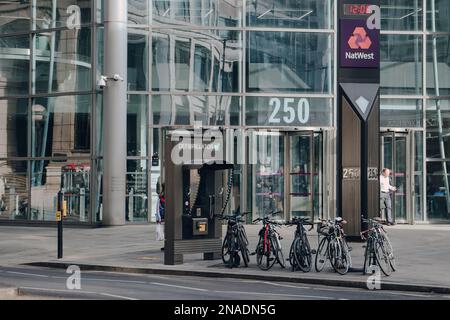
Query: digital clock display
[[356, 9]]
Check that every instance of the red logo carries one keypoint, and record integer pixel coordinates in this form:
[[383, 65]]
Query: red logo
[[359, 39]]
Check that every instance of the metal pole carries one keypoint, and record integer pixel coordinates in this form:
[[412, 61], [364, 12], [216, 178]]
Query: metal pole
[[59, 219], [115, 113], [438, 105]]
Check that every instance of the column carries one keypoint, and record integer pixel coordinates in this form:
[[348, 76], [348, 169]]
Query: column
[[115, 113]]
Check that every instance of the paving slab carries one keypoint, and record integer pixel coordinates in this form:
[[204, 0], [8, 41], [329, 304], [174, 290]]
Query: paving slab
[[422, 251]]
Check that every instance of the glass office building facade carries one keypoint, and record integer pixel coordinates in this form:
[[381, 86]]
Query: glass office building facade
[[264, 71]]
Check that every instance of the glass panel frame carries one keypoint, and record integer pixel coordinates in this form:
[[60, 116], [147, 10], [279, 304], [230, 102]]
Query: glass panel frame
[[274, 63]]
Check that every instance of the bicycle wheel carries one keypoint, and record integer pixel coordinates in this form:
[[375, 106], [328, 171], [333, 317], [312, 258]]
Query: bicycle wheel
[[292, 260], [303, 254], [244, 251], [226, 250], [367, 256], [389, 249], [382, 258], [276, 245], [265, 257], [243, 233], [321, 255], [338, 256]]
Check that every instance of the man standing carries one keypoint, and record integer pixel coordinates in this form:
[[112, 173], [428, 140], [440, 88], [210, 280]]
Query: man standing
[[385, 196]]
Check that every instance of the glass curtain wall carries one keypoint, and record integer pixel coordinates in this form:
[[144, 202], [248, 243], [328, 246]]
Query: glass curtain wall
[[239, 64], [233, 64], [47, 108]]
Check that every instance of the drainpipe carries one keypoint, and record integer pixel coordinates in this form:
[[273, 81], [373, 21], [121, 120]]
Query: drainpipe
[[115, 113]]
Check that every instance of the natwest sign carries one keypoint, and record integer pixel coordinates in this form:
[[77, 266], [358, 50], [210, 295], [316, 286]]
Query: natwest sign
[[359, 45]]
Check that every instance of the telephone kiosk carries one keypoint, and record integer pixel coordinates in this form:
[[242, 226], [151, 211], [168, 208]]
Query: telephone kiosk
[[204, 196], [195, 194]]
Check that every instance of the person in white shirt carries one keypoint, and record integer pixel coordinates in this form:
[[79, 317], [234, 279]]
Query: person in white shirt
[[385, 196]]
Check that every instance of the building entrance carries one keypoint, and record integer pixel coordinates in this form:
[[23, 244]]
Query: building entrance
[[397, 154], [288, 175]]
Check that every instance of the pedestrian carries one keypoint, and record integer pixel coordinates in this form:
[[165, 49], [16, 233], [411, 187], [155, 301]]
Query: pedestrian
[[385, 195], [160, 214]]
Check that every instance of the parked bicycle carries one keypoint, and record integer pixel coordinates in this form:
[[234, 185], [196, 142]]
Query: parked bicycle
[[379, 251], [300, 254], [235, 241], [333, 246], [268, 250]]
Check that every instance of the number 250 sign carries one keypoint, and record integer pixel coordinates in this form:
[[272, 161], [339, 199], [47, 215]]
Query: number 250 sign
[[293, 110]]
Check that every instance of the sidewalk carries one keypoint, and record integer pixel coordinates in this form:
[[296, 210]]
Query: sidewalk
[[423, 255]]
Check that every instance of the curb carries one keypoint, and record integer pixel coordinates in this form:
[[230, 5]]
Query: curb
[[62, 294], [6, 293], [391, 286]]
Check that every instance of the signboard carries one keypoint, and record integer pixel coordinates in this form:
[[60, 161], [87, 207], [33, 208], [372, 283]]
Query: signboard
[[351, 173], [359, 44], [372, 173]]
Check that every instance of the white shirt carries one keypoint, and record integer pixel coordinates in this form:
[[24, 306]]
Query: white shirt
[[385, 185]]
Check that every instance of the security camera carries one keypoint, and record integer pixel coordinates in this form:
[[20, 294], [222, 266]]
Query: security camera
[[117, 77], [102, 82]]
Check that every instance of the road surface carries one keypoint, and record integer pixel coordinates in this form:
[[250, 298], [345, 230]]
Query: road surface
[[110, 285]]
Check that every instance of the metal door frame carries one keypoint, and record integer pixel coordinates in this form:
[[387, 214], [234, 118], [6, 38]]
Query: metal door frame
[[287, 174], [287, 140], [409, 174]]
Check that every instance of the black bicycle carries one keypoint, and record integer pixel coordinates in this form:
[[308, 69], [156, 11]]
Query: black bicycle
[[235, 241], [378, 250], [300, 254], [333, 246], [268, 250]]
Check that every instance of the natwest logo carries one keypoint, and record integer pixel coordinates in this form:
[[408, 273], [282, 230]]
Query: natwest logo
[[359, 39]]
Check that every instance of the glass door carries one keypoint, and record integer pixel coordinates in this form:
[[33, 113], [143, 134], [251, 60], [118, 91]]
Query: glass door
[[301, 175], [305, 175], [396, 157], [266, 151]]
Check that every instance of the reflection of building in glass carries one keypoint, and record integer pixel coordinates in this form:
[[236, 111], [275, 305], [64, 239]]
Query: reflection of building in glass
[[244, 65]]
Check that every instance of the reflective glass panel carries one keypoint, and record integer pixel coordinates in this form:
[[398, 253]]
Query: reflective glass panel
[[204, 60], [401, 15], [401, 64], [14, 65], [213, 13], [289, 62], [438, 195], [13, 190], [61, 126], [209, 110], [137, 122], [136, 199], [138, 14], [47, 179], [137, 62], [62, 14], [14, 16], [63, 61], [308, 14], [400, 113], [13, 128], [438, 129], [438, 65], [438, 13]]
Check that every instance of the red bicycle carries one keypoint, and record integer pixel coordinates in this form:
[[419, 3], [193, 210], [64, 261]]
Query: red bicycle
[[268, 251]]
